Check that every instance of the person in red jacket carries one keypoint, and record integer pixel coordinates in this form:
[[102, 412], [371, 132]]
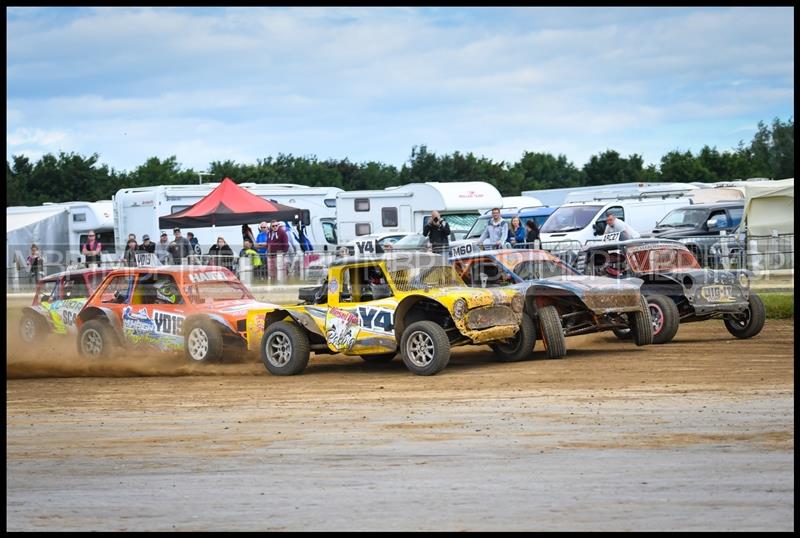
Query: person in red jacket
[[277, 243]]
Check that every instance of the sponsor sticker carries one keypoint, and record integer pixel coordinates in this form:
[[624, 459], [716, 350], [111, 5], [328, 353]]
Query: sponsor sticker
[[207, 275]]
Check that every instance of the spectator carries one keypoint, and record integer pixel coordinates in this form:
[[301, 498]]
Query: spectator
[[249, 252], [162, 249], [91, 249], [532, 235], [180, 247], [36, 263], [295, 251], [613, 224], [247, 233], [302, 236], [221, 253], [129, 258], [131, 241], [438, 233], [496, 232], [147, 245], [516, 234], [194, 243], [261, 248], [277, 243]]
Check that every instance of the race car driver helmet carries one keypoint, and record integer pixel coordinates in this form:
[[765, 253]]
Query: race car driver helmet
[[167, 291], [614, 265]]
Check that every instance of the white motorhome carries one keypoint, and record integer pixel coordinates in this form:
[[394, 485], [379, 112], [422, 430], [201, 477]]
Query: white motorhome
[[407, 208], [59, 229], [137, 210], [573, 224]]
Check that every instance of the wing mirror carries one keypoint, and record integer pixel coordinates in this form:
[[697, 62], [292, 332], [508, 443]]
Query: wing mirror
[[599, 227]]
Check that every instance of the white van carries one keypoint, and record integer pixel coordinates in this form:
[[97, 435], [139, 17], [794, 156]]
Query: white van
[[573, 224], [407, 208]]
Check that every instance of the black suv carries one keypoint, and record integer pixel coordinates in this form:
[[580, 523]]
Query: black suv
[[700, 226]]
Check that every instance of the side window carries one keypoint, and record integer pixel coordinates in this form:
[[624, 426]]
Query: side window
[[157, 289], [389, 216], [361, 204], [363, 228], [51, 291], [329, 229], [75, 288], [617, 211], [720, 217], [364, 284], [736, 216], [117, 290]]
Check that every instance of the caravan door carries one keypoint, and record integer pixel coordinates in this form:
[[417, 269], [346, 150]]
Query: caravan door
[[405, 219]]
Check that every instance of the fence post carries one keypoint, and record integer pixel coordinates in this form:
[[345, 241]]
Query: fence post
[[246, 270]]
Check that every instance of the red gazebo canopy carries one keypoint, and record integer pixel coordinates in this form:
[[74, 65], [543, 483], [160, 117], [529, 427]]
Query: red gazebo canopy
[[228, 205]]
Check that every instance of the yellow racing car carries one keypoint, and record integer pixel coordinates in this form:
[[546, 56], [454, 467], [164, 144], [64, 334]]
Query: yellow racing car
[[411, 302]]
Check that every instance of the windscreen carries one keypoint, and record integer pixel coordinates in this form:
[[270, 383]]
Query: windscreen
[[426, 278], [570, 218], [683, 218], [548, 268]]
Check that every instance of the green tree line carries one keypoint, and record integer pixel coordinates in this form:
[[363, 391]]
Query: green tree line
[[69, 176]]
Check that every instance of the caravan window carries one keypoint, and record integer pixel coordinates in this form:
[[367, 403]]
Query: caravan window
[[79, 217], [361, 204], [330, 202], [363, 228], [389, 216], [176, 208]]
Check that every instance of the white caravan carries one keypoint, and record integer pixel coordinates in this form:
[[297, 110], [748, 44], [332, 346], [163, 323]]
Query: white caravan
[[407, 208], [59, 229], [573, 224], [137, 210]]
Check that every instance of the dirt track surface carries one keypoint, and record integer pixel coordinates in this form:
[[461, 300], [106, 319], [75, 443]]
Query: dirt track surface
[[694, 435]]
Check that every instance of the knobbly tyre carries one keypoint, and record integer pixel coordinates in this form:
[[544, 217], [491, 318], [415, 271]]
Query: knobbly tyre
[[677, 289], [200, 310], [411, 302], [56, 303], [559, 301]]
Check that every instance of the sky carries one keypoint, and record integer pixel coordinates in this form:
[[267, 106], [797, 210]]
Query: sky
[[368, 84]]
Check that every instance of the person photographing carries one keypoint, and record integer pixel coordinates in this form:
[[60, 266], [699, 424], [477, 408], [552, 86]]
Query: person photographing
[[437, 230]]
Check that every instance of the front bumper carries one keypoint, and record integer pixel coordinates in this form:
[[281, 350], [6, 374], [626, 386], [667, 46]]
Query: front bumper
[[489, 323]]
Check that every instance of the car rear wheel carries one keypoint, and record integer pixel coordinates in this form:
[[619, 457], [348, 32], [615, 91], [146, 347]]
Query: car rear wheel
[[552, 332], [202, 341], [32, 328], [750, 322], [96, 340], [285, 349], [521, 346], [640, 324], [664, 317], [425, 348]]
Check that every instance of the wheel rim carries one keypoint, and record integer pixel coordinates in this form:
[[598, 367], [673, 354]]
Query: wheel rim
[[278, 349], [741, 320], [92, 343], [28, 330], [198, 344], [420, 349], [656, 318]]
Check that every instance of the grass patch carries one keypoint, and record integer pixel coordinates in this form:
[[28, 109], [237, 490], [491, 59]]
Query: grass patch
[[779, 305]]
